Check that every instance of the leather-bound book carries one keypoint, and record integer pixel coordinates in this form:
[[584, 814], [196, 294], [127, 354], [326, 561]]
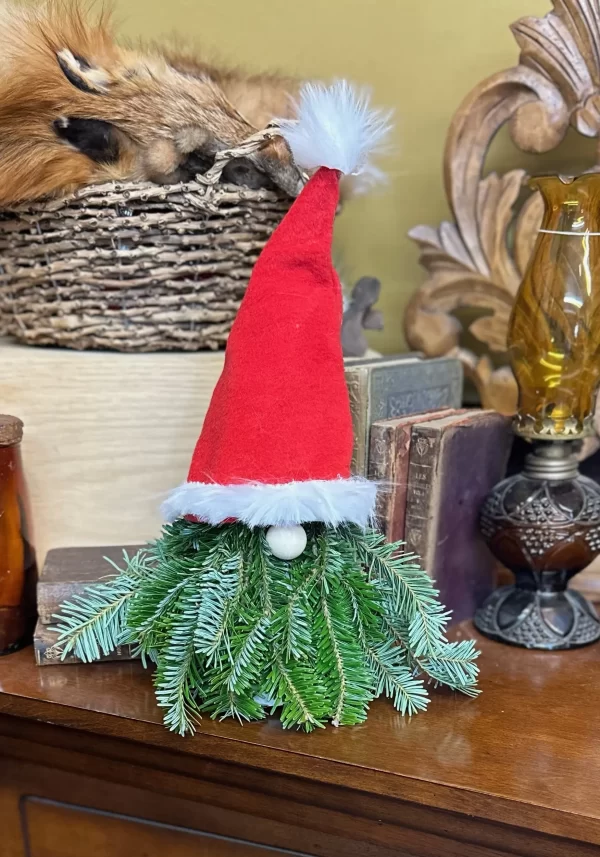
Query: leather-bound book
[[454, 463]]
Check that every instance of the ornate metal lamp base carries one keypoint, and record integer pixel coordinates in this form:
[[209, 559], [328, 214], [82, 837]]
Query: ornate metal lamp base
[[538, 620], [544, 525]]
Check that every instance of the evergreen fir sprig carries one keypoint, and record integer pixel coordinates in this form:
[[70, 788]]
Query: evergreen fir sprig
[[409, 591], [94, 623], [178, 680], [454, 666], [232, 629], [293, 687], [395, 679], [247, 655]]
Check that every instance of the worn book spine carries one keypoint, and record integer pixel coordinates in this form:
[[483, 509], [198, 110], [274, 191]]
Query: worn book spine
[[381, 469], [389, 459], [453, 467], [357, 383], [70, 571], [420, 492], [47, 652]]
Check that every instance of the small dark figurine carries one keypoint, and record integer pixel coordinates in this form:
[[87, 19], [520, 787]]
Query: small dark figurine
[[359, 315]]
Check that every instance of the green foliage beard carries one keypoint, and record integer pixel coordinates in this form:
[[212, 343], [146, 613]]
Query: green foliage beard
[[236, 632]]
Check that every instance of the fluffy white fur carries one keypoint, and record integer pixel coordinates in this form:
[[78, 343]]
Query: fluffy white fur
[[336, 128], [332, 502]]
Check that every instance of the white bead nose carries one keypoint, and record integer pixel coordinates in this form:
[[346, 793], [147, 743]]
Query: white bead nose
[[286, 542]]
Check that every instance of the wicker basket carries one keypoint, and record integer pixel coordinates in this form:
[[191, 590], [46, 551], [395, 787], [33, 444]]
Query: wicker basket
[[133, 267]]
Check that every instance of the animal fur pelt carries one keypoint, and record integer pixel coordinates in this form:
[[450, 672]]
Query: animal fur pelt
[[76, 108]]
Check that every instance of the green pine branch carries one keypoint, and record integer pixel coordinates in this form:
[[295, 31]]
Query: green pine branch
[[178, 679], [248, 654], [455, 666], [295, 688], [230, 627], [218, 599], [94, 623], [221, 704], [395, 679], [409, 591], [291, 622], [340, 661]]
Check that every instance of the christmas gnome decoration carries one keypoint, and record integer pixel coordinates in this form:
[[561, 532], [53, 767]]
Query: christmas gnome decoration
[[267, 591]]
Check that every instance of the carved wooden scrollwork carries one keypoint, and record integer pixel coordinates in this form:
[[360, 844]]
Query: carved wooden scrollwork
[[478, 260]]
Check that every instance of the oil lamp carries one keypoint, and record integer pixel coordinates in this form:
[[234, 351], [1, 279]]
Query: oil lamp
[[544, 523]]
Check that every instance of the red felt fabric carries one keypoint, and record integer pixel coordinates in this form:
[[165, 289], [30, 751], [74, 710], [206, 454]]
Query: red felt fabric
[[280, 411]]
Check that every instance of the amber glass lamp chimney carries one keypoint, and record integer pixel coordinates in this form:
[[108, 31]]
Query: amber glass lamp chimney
[[554, 330]]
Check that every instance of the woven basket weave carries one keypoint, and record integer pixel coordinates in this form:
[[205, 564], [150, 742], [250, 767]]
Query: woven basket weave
[[133, 266]]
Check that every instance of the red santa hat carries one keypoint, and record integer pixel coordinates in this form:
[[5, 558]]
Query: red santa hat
[[276, 444]]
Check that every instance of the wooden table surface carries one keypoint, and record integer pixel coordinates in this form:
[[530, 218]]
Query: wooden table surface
[[525, 754]]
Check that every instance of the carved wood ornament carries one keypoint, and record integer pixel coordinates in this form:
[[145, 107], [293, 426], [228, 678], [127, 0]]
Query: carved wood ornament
[[478, 260]]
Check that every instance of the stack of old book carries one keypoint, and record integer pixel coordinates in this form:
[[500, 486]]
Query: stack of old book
[[435, 463]]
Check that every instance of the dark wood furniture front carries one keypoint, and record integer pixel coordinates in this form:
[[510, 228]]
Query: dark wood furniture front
[[87, 770]]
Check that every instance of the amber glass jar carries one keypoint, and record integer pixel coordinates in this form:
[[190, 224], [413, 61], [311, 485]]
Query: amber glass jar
[[18, 572], [554, 330]]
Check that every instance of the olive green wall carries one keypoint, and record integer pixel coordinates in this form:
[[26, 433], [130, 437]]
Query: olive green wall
[[421, 57]]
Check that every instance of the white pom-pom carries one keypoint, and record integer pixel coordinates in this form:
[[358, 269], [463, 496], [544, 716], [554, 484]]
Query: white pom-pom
[[336, 128], [286, 542]]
